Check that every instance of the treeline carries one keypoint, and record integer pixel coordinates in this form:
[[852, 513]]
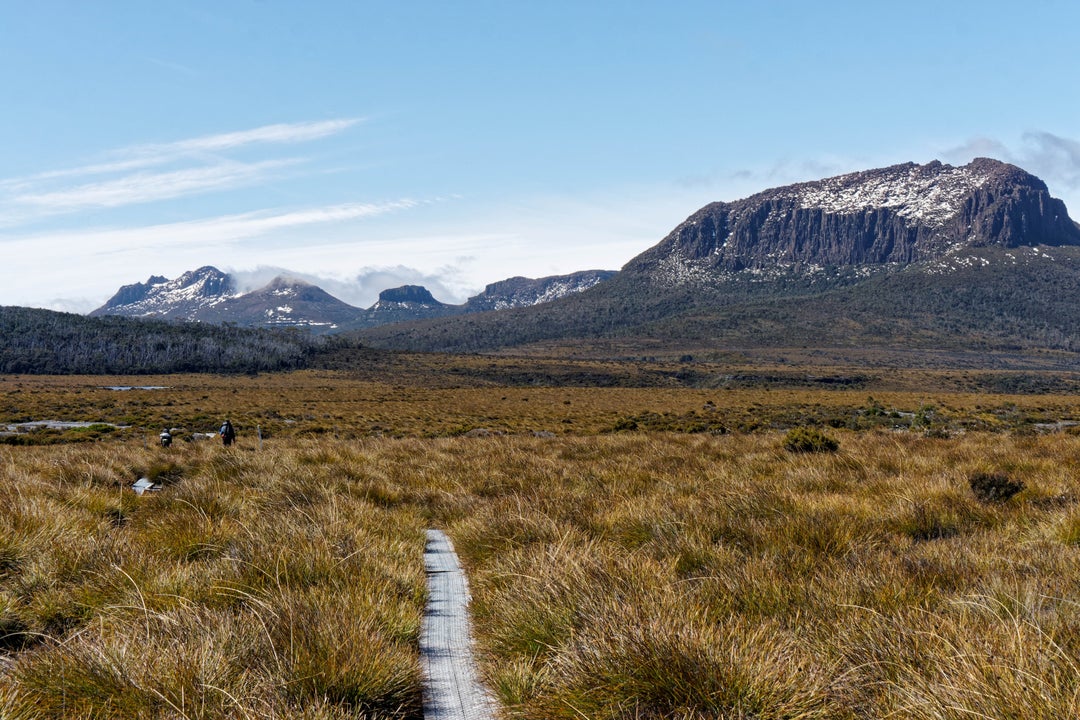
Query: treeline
[[52, 343], [1020, 303]]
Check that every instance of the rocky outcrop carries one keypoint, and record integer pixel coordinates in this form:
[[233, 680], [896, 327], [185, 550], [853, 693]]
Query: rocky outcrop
[[899, 214], [414, 302], [416, 294], [159, 297], [402, 304], [523, 292], [129, 294]]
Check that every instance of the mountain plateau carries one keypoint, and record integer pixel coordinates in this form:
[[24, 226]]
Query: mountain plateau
[[977, 258]]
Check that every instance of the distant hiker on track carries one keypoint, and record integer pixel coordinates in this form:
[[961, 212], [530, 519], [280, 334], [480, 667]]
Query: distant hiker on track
[[166, 438], [227, 433]]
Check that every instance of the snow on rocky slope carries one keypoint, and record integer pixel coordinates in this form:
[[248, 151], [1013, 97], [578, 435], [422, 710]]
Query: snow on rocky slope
[[861, 223]]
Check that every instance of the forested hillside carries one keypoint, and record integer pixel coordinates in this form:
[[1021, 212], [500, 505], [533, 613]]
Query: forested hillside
[[52, 343], [989, 299]]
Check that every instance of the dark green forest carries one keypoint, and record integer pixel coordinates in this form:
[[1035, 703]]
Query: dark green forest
[[52, 343], [991, 302], [1005, 304]]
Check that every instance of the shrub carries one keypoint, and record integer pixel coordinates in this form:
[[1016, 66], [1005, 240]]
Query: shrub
[[994, 486], [809, 440]]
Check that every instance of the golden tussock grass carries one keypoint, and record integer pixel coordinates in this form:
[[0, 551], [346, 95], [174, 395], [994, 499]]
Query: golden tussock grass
[[723, 577], [661, 572], [252, 585]]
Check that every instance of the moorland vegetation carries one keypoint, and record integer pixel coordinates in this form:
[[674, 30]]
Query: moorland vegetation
[[52, 343], [633, 552]]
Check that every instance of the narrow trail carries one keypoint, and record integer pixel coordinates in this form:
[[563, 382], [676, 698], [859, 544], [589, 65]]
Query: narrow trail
[[452, 688]]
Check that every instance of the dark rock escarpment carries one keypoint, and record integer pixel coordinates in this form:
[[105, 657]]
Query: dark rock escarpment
[[899, 214], [408, 294]]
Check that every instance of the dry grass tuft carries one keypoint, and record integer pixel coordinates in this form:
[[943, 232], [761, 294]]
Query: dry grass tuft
[[668, 571], [252, 585]]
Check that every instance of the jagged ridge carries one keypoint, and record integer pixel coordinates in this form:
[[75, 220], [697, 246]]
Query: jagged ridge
[[183, 298], [209, 295]]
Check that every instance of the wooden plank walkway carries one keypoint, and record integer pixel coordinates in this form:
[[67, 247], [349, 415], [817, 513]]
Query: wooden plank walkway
[[452, 688]]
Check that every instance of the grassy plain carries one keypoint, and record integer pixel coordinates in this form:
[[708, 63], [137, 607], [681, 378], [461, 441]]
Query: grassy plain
[[648, 551]]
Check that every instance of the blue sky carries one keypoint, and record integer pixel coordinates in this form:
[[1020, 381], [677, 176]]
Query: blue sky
[[364, 145]]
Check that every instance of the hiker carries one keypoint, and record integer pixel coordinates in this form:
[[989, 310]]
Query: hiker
[[166, 438], [227, 433]]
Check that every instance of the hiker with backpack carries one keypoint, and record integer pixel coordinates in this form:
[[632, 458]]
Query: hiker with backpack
[[227, 433]]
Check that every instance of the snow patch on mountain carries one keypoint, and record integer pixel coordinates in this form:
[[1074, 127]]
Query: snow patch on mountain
[[383, 305], [552, 291], [184, 298], [520, 292], [918, 196], [955, 261], [676, 269]]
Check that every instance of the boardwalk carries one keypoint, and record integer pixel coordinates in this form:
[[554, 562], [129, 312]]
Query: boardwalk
[[452, 690]]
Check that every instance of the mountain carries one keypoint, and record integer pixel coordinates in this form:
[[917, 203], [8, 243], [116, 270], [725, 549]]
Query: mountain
[[872, 220], [408, 302], [283, 303], [414, 302], [975, 258], [523, 292], [184, 298], [209, 295]]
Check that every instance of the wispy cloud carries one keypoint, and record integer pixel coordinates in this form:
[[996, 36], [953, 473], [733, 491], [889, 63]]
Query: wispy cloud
[[99, 260], [158, 171], [146, 155], [148, 187], [279, 133], [205, 232], [1053, 158]]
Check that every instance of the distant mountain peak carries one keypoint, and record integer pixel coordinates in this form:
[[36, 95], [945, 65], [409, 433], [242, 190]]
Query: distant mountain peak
[[870, 219], [524, 292], [209, 295], [288, 286], [183, 297], [282, 281], [912, 257], [407, 294]]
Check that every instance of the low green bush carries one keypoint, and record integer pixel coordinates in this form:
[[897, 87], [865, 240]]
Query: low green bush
[[808, 440]]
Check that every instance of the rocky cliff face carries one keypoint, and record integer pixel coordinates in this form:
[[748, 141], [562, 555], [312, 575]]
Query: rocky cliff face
[[909, 256], [401, 304], [406, 294], [895, 215]]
